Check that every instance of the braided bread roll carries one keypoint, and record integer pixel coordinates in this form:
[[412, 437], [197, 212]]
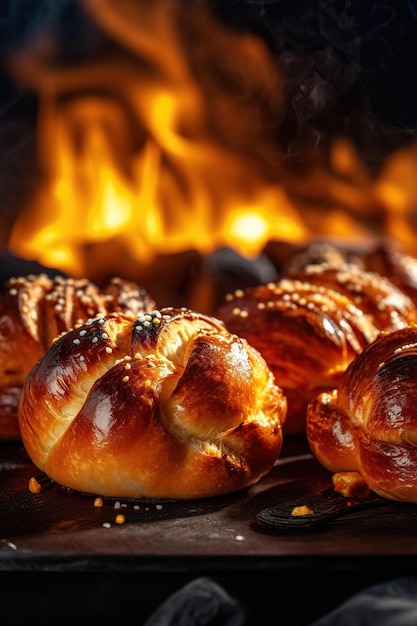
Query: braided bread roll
[[369, 424], [385, 304], [168, 406], [34, 309], [310, 325]]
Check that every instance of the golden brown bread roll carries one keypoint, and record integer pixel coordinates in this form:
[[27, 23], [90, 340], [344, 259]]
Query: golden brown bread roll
[[391, 259], [369, 424], [168, 406], [310, 325], [384, 257], [385, 304], [34, 309]]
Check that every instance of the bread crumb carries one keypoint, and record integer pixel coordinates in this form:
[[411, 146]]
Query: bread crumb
[[302, 510], [351, 485], [34, 485]]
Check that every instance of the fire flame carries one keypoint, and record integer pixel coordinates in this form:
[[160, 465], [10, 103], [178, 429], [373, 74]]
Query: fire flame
[[166, 140]]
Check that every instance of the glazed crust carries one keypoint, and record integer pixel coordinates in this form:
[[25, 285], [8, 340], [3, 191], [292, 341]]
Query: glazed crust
[[34, 309], [308, 335], [168, 406], [312, 323], [369, 425], [385, 304]]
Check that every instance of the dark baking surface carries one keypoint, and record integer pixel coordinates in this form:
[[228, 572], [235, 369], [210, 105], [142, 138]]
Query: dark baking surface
[[162, 544]]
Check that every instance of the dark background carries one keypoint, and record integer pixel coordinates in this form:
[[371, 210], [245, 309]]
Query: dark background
[[350, 68], [350, 65]]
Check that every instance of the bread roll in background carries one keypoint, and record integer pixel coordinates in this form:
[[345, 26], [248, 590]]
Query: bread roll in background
[[170, 405], [379, 299], [383, 256], [369, 424], [34, 309], [310, 324]]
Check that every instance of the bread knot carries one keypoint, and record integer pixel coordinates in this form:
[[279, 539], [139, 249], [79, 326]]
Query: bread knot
[[168, 405]]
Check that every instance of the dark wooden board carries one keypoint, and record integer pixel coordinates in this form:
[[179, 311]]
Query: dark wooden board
[[57, 523], [51, 541]]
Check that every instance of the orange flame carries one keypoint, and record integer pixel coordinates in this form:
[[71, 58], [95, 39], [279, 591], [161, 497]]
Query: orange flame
[[167, 141]]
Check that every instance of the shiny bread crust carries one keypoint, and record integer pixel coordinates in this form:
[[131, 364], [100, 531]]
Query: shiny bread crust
[[307, 334], [170, 405], [310, 324], [34, 309], [369, 424]]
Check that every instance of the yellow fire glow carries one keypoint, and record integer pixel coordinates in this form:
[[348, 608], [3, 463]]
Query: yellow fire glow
[[141, 153]]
